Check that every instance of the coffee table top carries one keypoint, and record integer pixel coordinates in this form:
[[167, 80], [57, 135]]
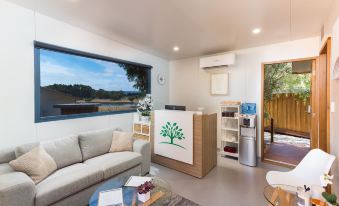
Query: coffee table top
[[130, 195], [281, 195]]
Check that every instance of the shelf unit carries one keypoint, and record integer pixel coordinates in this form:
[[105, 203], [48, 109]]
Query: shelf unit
[[230, 129], [229, 117], [141, 130]]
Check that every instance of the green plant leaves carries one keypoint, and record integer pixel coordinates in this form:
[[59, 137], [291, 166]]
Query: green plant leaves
[[331, 198], [172, 131], [279, 78]]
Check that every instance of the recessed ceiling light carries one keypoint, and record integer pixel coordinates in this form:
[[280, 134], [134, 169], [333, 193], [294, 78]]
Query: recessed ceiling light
[[176, 48], [256, 31]]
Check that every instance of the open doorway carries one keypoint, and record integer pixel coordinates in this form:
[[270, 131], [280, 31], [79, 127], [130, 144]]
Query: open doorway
[[287, 117]]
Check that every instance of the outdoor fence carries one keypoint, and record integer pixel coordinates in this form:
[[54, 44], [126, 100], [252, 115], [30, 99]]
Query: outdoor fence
[[289, 115]]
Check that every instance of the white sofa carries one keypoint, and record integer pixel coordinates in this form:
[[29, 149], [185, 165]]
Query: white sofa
[[83, 163]]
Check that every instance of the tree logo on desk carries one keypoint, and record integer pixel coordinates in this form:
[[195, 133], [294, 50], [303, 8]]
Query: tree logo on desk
[[172, 131]]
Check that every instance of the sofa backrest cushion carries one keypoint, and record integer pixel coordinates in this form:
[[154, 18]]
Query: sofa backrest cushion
[[7, 155], [64, 151], [95, 143], [23, 149]]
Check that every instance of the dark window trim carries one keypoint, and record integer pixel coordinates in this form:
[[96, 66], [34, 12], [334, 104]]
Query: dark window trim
[[41, 45]]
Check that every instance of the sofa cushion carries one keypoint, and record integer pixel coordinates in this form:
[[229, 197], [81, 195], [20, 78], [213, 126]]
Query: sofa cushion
[[7, 155], [5, 168], [37, 164], [64, 151], [66, 182], [23, 149], [16, 189], [115, 163], [95, 143]]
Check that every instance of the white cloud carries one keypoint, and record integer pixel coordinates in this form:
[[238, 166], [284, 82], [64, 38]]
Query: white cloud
[[110, 69], [50, 68], [108, 72], [111, 77]]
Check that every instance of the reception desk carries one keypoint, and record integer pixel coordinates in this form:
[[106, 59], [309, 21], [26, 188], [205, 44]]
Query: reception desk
[[184, 141]]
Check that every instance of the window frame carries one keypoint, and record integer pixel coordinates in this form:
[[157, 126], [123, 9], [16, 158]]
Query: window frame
[[37, 82]]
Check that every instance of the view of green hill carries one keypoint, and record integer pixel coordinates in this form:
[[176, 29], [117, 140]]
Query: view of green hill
[[86, 92]]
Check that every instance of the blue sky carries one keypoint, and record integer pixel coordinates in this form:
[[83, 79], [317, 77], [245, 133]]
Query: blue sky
[[60, 68]]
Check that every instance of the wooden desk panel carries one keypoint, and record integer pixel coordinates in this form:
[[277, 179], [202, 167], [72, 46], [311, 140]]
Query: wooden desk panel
[[204, 148]]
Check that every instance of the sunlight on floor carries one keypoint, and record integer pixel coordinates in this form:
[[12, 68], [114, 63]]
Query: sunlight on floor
[[288, 139]]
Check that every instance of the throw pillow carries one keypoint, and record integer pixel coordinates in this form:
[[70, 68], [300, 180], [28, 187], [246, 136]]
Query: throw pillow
[[37, 164], [122, 141]]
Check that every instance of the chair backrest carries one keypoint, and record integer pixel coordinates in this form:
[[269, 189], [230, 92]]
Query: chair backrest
[[314, 164]]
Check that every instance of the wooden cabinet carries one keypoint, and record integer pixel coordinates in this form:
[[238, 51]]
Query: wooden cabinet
[[141, 130]]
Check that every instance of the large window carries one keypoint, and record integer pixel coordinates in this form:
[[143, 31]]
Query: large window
[[73, 84]]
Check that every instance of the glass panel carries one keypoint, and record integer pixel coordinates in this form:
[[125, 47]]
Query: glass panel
[[71, 84]]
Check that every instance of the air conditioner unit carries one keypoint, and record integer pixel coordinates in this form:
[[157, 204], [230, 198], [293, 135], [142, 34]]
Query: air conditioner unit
[[217, 60]]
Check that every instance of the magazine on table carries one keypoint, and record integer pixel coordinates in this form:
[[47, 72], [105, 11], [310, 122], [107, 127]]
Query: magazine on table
[[111, 198], [135, 181]]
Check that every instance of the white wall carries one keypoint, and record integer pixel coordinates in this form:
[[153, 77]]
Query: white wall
[[333, 14], [190, 85], [17, 74]]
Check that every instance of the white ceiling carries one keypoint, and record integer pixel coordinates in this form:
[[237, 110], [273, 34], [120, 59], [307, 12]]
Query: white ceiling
[[198, 27]]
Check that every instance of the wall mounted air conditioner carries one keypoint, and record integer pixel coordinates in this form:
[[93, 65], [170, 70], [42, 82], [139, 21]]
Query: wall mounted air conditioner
[[217, 60]]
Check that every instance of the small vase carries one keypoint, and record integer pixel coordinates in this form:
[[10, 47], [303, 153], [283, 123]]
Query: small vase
[[144, 197], [317, 191], [145, 118]]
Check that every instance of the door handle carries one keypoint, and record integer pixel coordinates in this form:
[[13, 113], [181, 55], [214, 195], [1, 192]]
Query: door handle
[[309, 109]]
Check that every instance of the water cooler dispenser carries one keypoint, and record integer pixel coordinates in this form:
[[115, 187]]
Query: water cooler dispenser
[[248, 140]]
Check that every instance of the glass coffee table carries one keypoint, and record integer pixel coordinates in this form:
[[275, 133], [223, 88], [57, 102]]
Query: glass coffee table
[[281, 195], [130, 195]]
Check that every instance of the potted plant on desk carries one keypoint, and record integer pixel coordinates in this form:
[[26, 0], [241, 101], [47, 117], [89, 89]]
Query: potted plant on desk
[[144, 191], [319, 196], [145, 107], [331, 199]]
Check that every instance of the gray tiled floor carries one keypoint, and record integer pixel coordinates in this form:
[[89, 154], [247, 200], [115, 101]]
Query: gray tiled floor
[[229, 184]]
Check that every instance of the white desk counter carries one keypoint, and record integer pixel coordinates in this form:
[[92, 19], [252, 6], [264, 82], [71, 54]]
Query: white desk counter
[[184, 141]]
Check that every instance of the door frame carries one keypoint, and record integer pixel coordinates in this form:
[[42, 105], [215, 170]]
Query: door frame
[[262, 102], [325, 52]]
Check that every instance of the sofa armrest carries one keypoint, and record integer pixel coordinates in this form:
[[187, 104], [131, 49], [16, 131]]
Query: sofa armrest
[[16, 189], [143, 147]]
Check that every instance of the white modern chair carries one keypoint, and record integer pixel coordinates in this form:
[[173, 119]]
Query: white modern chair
[[307, 172]]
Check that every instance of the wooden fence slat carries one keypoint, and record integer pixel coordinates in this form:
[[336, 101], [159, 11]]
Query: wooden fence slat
[[289, 113]]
